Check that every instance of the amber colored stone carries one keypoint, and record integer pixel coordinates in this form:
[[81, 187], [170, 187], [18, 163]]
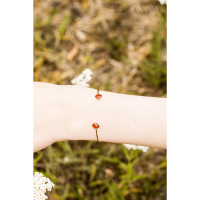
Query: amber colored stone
[[95, 126], [98, 96]]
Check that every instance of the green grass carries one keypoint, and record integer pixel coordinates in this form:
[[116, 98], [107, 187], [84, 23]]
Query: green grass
[[153, 68], [91, 170]]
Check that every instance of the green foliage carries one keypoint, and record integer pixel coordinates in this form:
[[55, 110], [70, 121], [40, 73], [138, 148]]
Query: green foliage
[[115, 48], [65, 22], [36, 160], [90, 170], [154, 67]]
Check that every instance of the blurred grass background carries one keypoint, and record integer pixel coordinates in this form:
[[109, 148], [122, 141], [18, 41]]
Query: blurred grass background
[[124, 44]]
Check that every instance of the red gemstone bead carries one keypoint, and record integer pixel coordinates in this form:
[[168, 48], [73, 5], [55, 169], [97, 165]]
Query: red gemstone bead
[[98, 96], [95, 126]]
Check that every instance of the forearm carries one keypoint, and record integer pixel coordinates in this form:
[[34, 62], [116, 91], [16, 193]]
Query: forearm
[[70, 111]]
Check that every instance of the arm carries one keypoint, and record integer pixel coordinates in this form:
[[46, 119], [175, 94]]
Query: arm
[[67, 112]]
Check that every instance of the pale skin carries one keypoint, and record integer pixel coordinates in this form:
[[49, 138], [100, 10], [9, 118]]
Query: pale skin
[[67, 112]]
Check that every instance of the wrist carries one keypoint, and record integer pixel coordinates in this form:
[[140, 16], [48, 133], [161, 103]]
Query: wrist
[[77, 116]]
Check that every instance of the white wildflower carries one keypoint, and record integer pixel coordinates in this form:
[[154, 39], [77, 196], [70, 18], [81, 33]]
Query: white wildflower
[[134, 147], [41, 184], [83, 78], [163, 2]]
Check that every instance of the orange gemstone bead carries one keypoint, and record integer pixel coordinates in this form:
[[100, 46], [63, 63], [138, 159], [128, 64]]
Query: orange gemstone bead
[[98, 96], [95, 126]]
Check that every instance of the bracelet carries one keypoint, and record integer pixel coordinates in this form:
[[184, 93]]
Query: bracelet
[[98, 96], [95, 125]]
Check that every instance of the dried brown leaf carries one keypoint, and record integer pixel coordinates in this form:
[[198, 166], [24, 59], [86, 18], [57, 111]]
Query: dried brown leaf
[[73, 52]]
